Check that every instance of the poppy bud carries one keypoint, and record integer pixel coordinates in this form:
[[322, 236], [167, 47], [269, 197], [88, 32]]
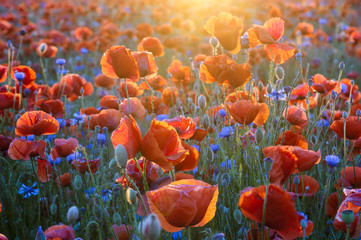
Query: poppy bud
[[117, 219], [206, 121], [209, 154], [26, 92], [347, 216], [112, 164], [280, 73], [10, 44], [151, 227], [40, 235], [97, 211], [333, 94], [97, 129], [358, 113], [226, 179], [131, 196], [82, 91], [310, 82], [341, 66], [213, 41], [269, 88], [298, 57], [43, 47], [53, 208], [196, 87], [78, 182], [237, 215], [105, 131], [72, 215], [202, 102], [260, 86], [121, 156], [245, 41], [267, 163], [259, 135]]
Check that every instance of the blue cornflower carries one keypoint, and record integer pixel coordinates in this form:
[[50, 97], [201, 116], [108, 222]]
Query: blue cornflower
[[322, 21], [195, 146], [106, 195], [323, 123], [19, 76], [79, 118], [60, 61], [40, 234], [223, 164], [332, 160], [71, 157], [225, 132], [222, 112], [28, 191], [90, 191], [162, 117], [215, 147], [84, 50], [277, 95], [101, 138]]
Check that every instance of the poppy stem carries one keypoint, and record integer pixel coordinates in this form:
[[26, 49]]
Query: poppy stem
[[188, 230], [126, 90], [264, 210], [348, 232]]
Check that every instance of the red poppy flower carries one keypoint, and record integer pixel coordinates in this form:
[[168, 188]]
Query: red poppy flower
[[127, 134], [147, 66], [322, 85], [288, 160], [191, 160], [153, 103], [44, 170], [351, 177], [50, 51], [181, 75], [185, 126], [109, 102], [30, 74], [37, 123], [199, 134], [121, 231], [353, 127], [137, 109], [162, 145], [227, 29], [293, 139], [89, 111], [307, 186], [151, 173], [299, 95], [82, 165], [104, 81], [7, 100], [351, 202], [24, 149], [345, 95], [184, 203], [247, 111], [278, 201], [305, 28], [224, 70], [332, 204], [157, 83], [133, 89], [3, 73], [2, 236], [77, 83], [65, 180], [55, 107], [279, 53], [109, 118], [169, 96], [151, 44], [5, 143], [296, 116], [63, 147], [118, 62], [57, 232], [82, 33], [144, 30]]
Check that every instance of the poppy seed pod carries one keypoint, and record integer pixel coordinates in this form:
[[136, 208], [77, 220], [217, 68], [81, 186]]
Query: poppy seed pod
[[121, 155], [72, 215], [347, 216], [117, 219], [131, 196], [151, 227], [78, 182], [202, 102]]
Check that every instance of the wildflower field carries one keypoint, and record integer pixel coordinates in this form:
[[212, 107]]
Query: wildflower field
[[178, 119]]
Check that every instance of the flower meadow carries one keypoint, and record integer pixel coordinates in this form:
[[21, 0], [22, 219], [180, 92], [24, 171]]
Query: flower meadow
[[164, 119]]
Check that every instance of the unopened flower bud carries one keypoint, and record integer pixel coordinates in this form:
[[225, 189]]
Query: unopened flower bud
[[237, 215], [72, 215], [296, 180], [43, 47], [287, 89], [151, 227], [333, 94], [299, 56], [213, 41], [206, 121], [310, 82], [303, 223], [53, 208], [131, 196], [40, 235], [117, 219], [78, 182], [202, 102], [259, 135], [267, 163], [280, 73], [121, 155], [344, 114], [341, 65], [269, 88]]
